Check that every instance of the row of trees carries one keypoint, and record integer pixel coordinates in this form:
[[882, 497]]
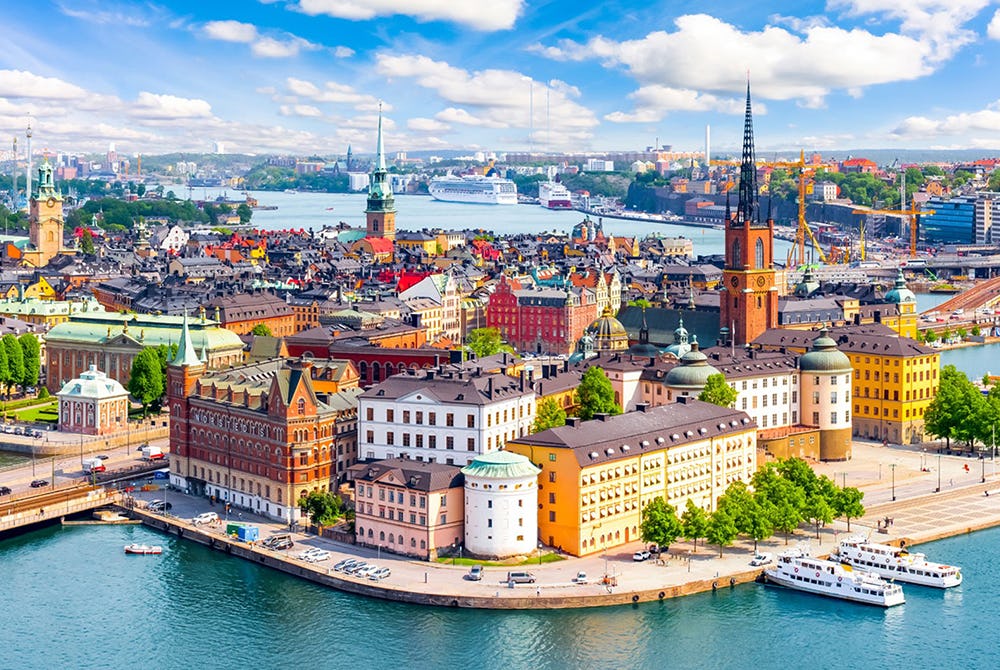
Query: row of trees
[[961, 412], [20, 360], [783, 496]]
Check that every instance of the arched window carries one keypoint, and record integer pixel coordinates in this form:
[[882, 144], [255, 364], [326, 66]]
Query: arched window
[[399, 540], [381, 536], [370, 534], [363, 369], [759, 256], [736, 260], [302, 405]]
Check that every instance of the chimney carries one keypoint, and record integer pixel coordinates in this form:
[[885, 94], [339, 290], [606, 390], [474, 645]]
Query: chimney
[[601, 416], [523, 378], [641, 407], [489, 387], [573, 421], [684, 400], [430, 375]]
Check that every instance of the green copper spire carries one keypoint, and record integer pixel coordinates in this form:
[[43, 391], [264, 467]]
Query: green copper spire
[[185, 348], [379, 190], [380, 148], [46, 185]]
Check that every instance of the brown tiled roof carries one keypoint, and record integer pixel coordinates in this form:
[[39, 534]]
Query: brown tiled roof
[[415, 475], [604, 440], [463, 388]]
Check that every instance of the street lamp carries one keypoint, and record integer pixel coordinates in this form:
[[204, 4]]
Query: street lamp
[[982, 461], [938, 489], [892, 466], [539, 553]]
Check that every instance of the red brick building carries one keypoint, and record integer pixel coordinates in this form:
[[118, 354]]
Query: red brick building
[[259, 435], [541, 320]]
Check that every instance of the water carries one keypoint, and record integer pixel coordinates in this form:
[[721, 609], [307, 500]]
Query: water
[[928, 301], [974, 361], [312, 210], [81, 603], [11, 458]]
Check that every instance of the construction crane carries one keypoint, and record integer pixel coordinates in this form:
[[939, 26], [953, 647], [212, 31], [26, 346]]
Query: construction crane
[[912, 213], [803, 230]]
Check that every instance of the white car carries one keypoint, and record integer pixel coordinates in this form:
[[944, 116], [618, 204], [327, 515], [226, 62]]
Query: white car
[[317, 556], [205, 517], [380, 574], [367, 572], [304, 555], [761, 559], [581, 578]]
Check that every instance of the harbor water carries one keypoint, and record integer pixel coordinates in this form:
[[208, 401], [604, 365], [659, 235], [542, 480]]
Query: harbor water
[[73, 599]]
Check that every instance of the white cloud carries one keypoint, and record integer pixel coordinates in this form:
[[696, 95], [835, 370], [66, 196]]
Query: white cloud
[[342, 52], [422, 125], [22, 84], [106, 16], [652, 102], [300, 110], [336, 93], [154, 106], [498, 98], [806, 62], [986, 120], [263, 46], [486, 15], [230, 31], [993, 29]]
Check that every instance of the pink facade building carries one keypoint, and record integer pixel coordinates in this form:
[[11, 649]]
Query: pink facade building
[[415, 508]]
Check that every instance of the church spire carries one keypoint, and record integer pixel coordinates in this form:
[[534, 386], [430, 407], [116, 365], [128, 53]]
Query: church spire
[[185, 347], [381, 210], [748, 209], [379, 148]]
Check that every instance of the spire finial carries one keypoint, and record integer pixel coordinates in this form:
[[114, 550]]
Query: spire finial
[[379, 148], [748, 212]]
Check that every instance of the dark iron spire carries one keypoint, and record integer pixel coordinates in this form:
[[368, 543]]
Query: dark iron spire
[[748, 209]]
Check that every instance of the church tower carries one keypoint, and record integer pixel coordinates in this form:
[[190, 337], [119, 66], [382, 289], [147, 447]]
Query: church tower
[[381, 211], [749, 303], [45, 227], [182, 376]]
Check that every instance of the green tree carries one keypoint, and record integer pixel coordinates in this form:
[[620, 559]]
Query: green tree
[[694, 523], [15, 359], [640, 302], [596, 395], [87, 242], [950, 414], [323, 507], [660, 523], [261, 330], [31, 355], [5, 377], [930, 336], [718, 392], [818, 510], [721, 530], [485, 342], [976, 331], [548, 415], [848, 504], [146, 381], [245, 213], [787, 502]]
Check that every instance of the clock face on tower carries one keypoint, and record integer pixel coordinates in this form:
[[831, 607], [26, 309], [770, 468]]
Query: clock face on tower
[[735, 281], [761, 281]]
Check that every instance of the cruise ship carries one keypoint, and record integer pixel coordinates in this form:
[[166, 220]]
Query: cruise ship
[[896, 563], [797, 570], [553, 195], [474, 189]]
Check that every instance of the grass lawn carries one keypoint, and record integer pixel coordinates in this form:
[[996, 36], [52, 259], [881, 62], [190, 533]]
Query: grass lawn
[[47, 413], [546, 558]]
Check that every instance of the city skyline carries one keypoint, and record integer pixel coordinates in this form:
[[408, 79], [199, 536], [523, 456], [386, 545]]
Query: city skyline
[[298, 76]]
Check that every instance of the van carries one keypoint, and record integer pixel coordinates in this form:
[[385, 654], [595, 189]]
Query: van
[[520, 578], [205, 517], [92, 465], [152, 454]]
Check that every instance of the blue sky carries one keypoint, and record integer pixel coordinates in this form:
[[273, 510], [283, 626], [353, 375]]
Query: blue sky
[[304, 76]]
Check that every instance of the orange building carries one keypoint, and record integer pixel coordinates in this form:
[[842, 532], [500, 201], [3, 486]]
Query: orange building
[[240, 313]]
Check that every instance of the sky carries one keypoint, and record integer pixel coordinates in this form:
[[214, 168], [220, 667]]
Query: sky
[[308, 76]]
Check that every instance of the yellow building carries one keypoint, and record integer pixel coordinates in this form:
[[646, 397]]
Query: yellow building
[[597, 475], [47, 312], [418, 240], [895, 378]]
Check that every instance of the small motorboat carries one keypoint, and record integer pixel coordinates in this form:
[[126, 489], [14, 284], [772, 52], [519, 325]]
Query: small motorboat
[[143, 549]]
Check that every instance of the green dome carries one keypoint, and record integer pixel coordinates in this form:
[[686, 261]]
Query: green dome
[[500, 465], [824, 356], [808, 285], [608, 332], [899, 293], [693, 371]]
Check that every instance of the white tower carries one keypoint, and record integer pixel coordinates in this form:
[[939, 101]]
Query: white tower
[[501, 505]]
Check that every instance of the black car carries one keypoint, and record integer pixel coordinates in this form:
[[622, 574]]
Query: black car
[[39, 483], [5, 491], [159, 506]]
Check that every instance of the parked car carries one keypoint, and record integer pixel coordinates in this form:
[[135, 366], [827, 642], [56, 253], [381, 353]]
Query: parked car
[[103, 457], [304, 555], [641, 555], [205, 517], [159, 506], [356, 568], [581, 578], [39, 483], [380, 574], [520, 577], [19, 430], [344, 564], [318, 555], [761, 559], [282, 544], [475, 574], [5, 491], [273, 542], [367, 572]]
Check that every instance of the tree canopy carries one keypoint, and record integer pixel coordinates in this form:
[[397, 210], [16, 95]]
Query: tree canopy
[[31, 355], [485, 342], [261, 330], [548, 414], [718, 391], [146, 382], [323, 507], [596, 395], [660, 523], [15, 359]]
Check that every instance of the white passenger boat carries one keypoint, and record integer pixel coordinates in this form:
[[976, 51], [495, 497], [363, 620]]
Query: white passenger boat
[[897, 563], [143, 549], [475, 189], [797, 570]]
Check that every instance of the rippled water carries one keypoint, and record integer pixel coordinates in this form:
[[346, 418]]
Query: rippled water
[[72, 599]]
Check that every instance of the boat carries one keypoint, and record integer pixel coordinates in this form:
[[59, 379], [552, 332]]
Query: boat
[[797, 570], [553, 195], [143, 549], [474, 189], [897, 563]]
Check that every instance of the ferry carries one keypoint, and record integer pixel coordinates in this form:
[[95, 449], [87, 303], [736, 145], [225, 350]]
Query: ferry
[[553, 195], [797, 570], [897, 563], [474, 189], [143, 549]]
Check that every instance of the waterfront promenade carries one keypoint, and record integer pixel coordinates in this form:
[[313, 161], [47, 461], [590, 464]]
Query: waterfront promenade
[[919, 515]]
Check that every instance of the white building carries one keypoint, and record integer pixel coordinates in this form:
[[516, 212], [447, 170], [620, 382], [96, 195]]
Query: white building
[[598, 165], [93, 403], [442, 290], [443, 417], [170, 238], [501, 503]]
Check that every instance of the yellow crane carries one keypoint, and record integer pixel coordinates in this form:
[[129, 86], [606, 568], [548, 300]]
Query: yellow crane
[[806, 170], [912, 213]]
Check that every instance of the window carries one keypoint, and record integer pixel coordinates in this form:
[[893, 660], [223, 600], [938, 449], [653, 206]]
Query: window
[[471, 421], [390, 438], [432, 418], [472, 444], [432, 441], [420, 441], [552, 476], [759, 256], [449, 442], [552, 498], [815, 418], [370, 413], [423, 502], [390, 415], [444, 501], [489, 504], [370, 436], [833, 418], [406, 416], [552, 516], [833, 396], [420, 418], [449, 419], [406, 439], [302, 406], [815, 397], [444, 519]]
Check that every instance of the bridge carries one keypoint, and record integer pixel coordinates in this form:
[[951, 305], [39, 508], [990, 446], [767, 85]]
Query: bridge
[[984, 294], [50, 504]]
